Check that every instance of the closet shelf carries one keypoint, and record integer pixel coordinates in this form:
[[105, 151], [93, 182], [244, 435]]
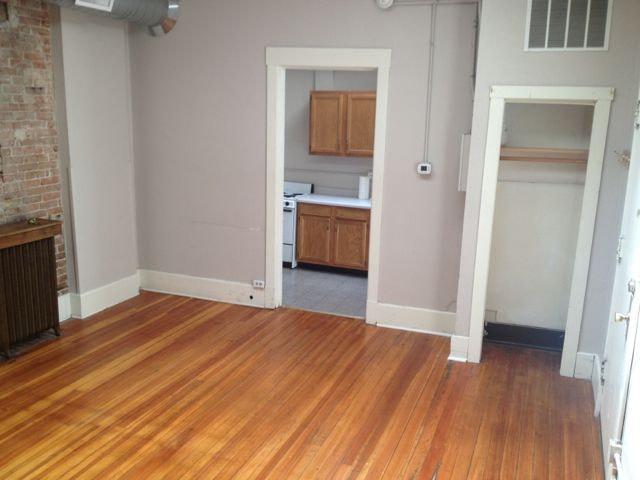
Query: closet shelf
[[547, 155]]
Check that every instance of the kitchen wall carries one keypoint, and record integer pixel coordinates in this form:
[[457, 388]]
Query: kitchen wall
[[199, 103], [330, 175], [93, 85], [30, 180], [503, 61], [536, 219]]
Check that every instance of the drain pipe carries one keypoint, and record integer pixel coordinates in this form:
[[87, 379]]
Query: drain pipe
[[160, 16]]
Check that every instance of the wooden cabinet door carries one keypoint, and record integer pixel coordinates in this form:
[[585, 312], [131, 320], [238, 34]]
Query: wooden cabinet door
[[361, 124], [326, 123], [314, 234], [351, 238]]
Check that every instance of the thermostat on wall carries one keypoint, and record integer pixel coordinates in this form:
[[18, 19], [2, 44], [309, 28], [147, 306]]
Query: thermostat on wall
[[424, 168]]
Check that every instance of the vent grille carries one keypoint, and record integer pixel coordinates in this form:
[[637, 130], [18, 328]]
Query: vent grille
[[568, 24], [103, 5]]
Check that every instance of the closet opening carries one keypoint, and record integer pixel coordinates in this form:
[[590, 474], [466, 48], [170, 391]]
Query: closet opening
[[541, 176]]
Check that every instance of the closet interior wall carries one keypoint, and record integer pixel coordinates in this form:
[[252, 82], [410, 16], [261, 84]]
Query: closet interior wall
[[538, 206]]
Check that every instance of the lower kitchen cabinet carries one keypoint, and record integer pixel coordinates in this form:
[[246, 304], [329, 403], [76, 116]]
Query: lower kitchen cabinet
[[314, 234], [333, 236]]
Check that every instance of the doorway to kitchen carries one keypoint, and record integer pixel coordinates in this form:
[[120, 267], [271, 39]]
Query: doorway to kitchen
[[337, 235], [328, 165]]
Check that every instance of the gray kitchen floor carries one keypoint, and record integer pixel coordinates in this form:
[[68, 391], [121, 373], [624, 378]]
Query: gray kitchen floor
[[328, 292]]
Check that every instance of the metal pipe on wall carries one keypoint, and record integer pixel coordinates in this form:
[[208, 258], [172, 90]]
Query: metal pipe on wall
[[384, 4]]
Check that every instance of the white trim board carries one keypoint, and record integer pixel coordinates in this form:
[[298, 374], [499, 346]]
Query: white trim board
[[459, 348], [204, 288], [588, 368], [278, 61], [600, 98], [584, 366], [86, 304], [64, 307], [597, 385], [412, 319]]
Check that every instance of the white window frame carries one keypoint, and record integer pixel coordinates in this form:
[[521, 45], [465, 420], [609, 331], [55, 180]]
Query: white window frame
[[584, 48]]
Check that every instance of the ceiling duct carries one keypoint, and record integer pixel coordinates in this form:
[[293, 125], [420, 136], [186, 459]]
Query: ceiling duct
[[160, 16]]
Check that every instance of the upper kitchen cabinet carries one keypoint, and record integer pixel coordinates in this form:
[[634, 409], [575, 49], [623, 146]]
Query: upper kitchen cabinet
[[361, 124], [326, 120], [342, 123]]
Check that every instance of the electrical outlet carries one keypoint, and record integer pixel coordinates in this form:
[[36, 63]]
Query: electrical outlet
[[259, 284]]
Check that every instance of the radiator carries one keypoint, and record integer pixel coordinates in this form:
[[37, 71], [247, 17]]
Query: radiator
[[28, 289]]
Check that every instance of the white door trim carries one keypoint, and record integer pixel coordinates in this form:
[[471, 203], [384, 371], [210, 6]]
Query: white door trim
[[279, 60], [601, 99]]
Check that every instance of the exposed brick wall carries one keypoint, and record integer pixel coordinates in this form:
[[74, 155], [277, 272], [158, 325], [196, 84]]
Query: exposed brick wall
[[30, 180]]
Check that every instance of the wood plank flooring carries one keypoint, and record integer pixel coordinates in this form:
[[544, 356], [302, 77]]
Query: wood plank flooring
[[170, 387]]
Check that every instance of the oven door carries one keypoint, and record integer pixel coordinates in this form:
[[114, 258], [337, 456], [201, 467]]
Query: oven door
[[289, 226]]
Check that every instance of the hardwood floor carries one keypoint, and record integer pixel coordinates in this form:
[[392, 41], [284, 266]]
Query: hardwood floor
[[170, 387]]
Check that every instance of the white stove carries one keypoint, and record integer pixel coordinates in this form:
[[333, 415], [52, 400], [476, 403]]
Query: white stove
[[289, 204]]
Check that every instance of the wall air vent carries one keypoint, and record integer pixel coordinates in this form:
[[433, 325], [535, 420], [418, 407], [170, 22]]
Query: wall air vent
[[103, 5], [568, 24]]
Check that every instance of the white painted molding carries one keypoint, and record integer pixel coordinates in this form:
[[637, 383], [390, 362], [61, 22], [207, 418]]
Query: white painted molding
[[597, 385], [563, 95], [485, 228], [459, 348], [64, 307], [205, 288], [588, 368], [586, 230], [584, 366], [335, 58], [86, 304], [412, 319]]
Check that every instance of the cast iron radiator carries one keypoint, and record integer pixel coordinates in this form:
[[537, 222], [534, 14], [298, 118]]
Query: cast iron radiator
[[28, 288]]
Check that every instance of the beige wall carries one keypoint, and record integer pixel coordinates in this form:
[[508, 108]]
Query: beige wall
[[96, 149], [199, 98], [502, 61], [330, 175]]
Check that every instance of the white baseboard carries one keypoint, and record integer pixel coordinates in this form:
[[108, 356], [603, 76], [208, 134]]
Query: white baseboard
[[86, 304], [459, 348], [584, 366], [597, 385], [64, 307], [588, 368], [205, 288], [410, 318]]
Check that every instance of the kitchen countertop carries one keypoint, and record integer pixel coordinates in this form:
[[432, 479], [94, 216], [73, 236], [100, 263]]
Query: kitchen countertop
[[348, 202]]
